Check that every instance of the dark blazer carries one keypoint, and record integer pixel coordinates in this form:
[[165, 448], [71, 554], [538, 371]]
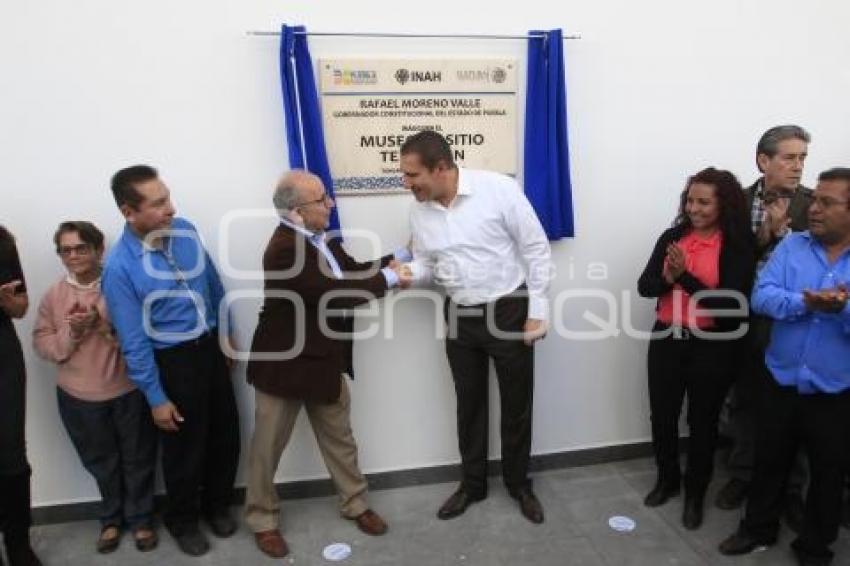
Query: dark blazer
[[736, 266], [798, 210], [314, 373]]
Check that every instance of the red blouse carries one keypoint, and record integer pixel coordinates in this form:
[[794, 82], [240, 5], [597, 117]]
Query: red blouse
[[702, 259]]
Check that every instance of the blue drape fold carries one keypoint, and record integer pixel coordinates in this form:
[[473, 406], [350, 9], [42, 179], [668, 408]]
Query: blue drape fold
[[546, 172], [302, 115]]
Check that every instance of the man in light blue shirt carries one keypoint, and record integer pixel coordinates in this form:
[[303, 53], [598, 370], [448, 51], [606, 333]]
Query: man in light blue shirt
[[806, 400], [163, 293]]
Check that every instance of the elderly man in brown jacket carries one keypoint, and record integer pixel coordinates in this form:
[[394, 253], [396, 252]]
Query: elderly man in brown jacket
[[295, 364]]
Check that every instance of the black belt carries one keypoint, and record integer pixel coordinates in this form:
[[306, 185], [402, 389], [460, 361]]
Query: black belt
[[515, 294], [194, 342]]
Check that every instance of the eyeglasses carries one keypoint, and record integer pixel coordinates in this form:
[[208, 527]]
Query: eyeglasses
[[825, 202], [79, 249], [324, 199]]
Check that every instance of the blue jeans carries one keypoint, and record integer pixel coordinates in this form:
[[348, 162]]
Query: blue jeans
[[116, 441]]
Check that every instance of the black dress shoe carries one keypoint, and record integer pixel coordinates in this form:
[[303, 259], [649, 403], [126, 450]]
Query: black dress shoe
[[457, 503], [661, 493], [692, 514], [794, 511], [732, 495], [805, 558], [23, 556], [741, 543], [191, 541], [529, 505], [221, 523]]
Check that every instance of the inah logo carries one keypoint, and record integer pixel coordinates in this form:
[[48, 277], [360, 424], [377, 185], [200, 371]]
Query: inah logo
[[402, 75], [414, 76]]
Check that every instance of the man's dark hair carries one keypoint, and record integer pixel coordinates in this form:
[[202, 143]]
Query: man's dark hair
[[769, 142], [124, 184], [87, 232], [431, 148], [837, 174]]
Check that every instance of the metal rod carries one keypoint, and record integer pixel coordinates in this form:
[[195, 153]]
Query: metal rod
[[409, 35]]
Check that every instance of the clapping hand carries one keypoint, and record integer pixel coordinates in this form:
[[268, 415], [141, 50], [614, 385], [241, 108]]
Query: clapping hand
[[826, 300], [674, 264], [82, 319], [776, 217]]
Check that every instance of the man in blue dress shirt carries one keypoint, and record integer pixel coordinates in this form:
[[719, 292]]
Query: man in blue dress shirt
[[163, 293], [804, 289]]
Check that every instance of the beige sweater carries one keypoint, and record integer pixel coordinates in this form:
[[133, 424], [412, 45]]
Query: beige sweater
[[90, 368]]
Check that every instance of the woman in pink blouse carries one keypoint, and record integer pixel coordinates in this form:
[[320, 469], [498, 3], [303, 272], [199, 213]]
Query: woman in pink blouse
[[709, 248], [105, 415]]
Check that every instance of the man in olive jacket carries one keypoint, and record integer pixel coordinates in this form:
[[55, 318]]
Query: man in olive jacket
[[778, 205], [295, 362]]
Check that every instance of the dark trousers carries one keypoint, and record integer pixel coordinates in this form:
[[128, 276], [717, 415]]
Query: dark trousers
[[116, 441], [199, 460], [787, 421], [13, 402], [699, 368], [741, 404], [469, 354], [15, 519]]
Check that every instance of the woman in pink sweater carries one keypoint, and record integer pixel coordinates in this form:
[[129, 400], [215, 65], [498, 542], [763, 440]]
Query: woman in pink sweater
[[105, 415]]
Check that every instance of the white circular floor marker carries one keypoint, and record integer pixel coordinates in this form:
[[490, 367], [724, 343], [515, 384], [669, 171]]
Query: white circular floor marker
[[622, 524], [336, 551]]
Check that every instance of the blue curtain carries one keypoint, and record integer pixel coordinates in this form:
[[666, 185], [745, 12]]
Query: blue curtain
[[301, 109], [546, 173]]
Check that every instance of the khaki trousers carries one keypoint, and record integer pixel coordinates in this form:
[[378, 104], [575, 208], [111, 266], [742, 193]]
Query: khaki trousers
[[273, 424]]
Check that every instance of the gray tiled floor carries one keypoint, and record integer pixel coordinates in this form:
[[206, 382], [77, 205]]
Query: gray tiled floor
[[578, 503]]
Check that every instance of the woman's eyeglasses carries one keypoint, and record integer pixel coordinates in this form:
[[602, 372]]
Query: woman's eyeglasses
[[79, 249], [324, 199]]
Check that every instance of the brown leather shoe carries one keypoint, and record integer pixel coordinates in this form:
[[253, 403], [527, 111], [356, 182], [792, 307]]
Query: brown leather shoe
[[109, 539], [145, 538], [371, 523], [271, 543]]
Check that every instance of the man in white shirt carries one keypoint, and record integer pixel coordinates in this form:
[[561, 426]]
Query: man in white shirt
[[476, 235]]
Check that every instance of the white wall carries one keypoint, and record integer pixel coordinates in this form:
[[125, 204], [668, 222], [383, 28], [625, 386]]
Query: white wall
[[657, 90]]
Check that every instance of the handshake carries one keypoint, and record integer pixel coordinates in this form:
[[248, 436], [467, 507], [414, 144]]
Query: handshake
[[404, 273]]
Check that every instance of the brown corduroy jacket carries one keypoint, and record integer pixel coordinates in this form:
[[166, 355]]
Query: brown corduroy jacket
[[297, 277]]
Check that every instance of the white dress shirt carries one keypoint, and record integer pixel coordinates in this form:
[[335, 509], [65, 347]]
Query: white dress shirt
[[484, 245]]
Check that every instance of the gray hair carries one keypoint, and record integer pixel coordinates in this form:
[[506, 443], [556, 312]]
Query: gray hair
[[769, 142], [286, 195]]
